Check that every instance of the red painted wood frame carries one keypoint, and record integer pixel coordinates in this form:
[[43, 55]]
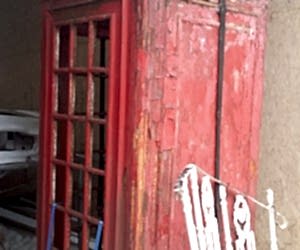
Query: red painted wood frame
[[64, 172], [58, 4]]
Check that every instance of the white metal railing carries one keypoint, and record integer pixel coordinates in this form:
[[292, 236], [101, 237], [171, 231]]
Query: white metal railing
[[201, 221]]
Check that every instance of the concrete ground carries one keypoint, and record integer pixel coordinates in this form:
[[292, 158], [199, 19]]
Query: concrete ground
[[15, 239]]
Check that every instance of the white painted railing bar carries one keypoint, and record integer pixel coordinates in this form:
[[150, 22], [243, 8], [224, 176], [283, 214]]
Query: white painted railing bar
[[241, 221], [211, 222], [201, 222], [225, 217], [197, 209], [272, 224], [188, 214]]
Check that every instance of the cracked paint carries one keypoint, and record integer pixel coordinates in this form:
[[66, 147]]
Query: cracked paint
[[175, 98]]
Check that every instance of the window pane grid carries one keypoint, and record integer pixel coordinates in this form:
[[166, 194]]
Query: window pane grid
[[80, 89]]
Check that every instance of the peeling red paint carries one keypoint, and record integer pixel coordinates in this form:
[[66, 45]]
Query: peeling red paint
[[168, 130], [175, 88]]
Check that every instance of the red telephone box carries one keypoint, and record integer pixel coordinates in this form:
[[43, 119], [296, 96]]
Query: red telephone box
[[129, 97]]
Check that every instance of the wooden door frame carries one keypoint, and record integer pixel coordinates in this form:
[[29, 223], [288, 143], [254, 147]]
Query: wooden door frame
[[44, 176]]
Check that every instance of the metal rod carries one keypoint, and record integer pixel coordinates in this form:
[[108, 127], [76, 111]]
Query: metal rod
[[98, 235], [221, 48], [219, 97], [51, 227]]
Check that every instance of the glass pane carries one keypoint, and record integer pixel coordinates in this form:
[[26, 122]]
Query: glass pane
[[62, 93], [97, 50], [59, 184], [101, 50], [79, 142], [54, 183], [60, 223], [99, 138], [97, 196], [77, 189], [60, 139], [63, 46], [100, 96], [76, 231], [81, 44], [80, 94]]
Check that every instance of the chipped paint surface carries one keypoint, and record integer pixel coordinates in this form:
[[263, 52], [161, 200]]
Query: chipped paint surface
[[139, 146], [172, 100]]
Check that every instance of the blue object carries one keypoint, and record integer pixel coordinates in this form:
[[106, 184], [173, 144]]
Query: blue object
[[98, 235], [51, 227]]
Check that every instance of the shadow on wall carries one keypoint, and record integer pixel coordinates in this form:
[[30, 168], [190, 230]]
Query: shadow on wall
[[20, 41]]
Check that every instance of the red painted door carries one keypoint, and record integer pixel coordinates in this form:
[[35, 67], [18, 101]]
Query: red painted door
[[79, 124], [174, 122]]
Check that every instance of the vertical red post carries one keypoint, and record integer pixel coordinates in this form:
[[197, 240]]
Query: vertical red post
[[44, 183]]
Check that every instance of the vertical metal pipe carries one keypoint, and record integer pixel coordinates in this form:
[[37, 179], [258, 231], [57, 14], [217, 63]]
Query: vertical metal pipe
[[219, 98], [221, 49]]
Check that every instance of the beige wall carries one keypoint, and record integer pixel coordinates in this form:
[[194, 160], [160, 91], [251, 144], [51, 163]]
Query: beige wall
[[19, 54], [280, 134]]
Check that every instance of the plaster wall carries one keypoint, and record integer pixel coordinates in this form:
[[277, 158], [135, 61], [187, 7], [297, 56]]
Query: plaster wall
[[280, 134], [20, 54]]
